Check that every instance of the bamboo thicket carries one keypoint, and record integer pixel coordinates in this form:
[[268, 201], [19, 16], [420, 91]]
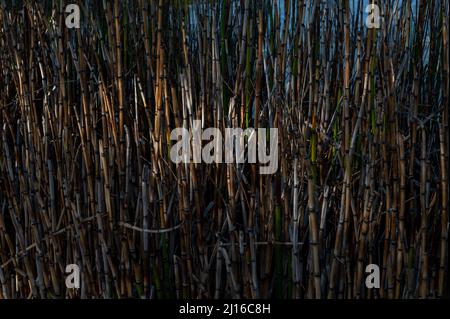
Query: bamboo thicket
[[86, 176]]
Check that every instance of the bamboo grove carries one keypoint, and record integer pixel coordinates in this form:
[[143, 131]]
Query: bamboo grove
[[86, 177]]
